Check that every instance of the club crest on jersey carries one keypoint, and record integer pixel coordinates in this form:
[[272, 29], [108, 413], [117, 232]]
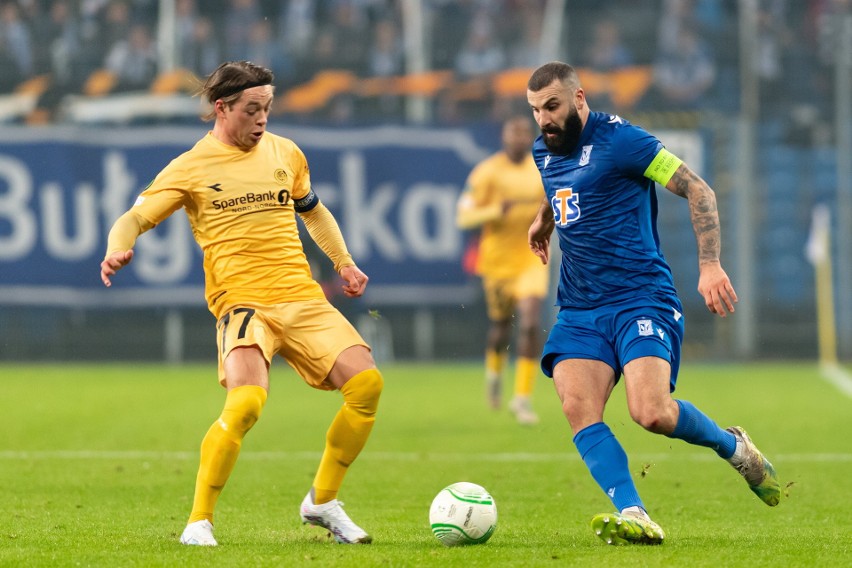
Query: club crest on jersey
[[280, 175], [586, 154], [645, 327], [566, 206]]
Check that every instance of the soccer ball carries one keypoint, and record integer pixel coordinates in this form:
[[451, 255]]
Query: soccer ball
[[463, 513]]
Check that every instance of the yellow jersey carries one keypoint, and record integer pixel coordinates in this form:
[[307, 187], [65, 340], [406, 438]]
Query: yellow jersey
[[503, 248], [240, 206]]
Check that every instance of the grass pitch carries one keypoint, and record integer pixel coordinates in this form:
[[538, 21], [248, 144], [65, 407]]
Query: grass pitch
[[97, 466]]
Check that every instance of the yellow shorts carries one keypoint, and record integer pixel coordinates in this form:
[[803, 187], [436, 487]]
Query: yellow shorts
[[309, 335], [502, 294]]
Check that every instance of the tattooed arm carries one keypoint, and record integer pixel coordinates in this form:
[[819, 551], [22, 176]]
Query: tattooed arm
[[713, 283]]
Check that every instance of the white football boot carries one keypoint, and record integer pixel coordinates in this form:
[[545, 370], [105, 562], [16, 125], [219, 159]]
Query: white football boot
[[521, 407], [334, 519], [199, 533]]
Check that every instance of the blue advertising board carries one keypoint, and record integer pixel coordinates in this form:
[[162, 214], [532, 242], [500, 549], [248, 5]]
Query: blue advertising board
[[392, 189]]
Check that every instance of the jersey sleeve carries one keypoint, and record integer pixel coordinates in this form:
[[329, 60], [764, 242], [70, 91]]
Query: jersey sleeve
[[479, 185], [301, 174], [634, 149], [167, 193], [476, 204]]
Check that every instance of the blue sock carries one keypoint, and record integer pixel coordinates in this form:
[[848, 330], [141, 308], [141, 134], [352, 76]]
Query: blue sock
[[607, 462], [695, 427]]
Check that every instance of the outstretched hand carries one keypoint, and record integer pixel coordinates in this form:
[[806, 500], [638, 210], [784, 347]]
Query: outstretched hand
[[716, 287], [355, 281], [113, 263]]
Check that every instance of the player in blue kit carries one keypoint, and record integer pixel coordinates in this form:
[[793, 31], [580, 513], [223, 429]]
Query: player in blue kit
[[619, 310]]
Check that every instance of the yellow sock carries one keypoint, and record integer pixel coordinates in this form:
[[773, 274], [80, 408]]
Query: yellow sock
[[526, 370], [494, 363], [221, 446], [348, 432]]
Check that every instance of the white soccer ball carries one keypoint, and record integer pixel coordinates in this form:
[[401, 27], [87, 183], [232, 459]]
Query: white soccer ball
[[463, 513]]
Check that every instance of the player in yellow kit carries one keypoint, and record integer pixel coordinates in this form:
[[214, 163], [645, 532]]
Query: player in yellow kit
[[502, 197], [241, 188]]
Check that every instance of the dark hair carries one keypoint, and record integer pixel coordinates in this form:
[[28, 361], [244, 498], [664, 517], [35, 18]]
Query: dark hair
[[553, 71], [230, 79], [522, 118]]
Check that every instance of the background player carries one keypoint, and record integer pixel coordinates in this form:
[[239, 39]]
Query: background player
[[241, 187], [619, 310], [502, 196]]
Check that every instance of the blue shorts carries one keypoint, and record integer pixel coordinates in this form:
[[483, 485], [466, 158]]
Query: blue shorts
[[618, 333]]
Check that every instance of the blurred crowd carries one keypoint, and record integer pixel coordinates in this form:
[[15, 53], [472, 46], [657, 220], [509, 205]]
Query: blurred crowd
[[688, 49]]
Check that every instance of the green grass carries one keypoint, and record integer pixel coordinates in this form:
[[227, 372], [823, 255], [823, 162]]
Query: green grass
[[97, 465]]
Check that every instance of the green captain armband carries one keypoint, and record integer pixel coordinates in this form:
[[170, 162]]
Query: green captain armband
[[662, 167]]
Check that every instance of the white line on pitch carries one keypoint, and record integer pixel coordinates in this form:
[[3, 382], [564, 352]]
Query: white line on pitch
[[836, 375]]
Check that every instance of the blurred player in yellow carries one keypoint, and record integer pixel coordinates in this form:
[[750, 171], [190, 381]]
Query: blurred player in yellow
[[241, 188], [501, 197]]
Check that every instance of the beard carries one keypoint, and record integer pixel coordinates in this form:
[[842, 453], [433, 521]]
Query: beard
[[567, 137]]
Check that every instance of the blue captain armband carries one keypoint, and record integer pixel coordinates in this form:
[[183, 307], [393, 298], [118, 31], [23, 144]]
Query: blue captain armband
[[662, 167], [306, 203]]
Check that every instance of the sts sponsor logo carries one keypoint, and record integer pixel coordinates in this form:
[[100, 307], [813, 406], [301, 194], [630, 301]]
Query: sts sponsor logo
[[566, 206]]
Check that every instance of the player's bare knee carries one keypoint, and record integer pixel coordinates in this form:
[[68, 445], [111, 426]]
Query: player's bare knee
[[528, 329], [652, 418], [579, 416], [499, 335], [648, 421]]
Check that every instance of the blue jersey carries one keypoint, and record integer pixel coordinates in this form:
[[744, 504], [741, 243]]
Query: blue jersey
[[605, 211]]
